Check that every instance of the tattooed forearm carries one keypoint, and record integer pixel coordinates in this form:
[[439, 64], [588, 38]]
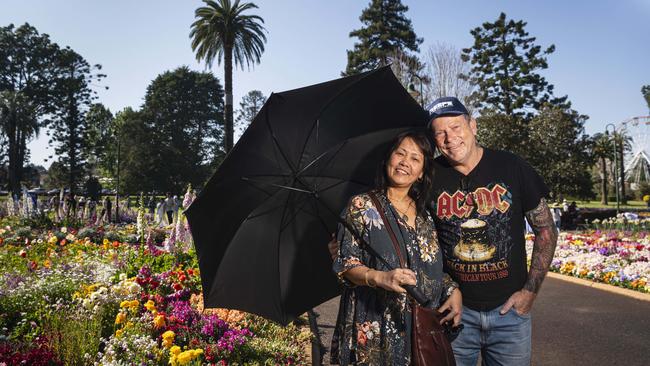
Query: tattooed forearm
[[541, 220]]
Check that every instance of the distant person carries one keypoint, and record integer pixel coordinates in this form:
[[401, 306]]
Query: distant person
[[557, 216], [107, 210], [169, 208], [151, 205]]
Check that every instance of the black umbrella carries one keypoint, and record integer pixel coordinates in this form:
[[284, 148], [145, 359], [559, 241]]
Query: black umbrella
[[262, 222]]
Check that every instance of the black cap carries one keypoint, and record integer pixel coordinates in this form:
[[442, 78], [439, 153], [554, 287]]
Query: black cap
[[445, 106]]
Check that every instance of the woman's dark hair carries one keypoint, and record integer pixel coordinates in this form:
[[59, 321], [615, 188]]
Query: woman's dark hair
[[420, 191]]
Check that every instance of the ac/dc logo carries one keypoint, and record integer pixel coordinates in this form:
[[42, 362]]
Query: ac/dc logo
[[483, 200]]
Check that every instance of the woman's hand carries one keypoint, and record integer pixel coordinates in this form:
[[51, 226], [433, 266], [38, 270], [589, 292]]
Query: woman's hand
[[455, 306], [393, 280]]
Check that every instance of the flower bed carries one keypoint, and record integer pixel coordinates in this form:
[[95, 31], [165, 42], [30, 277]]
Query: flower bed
[[619, 258], [98, 296]]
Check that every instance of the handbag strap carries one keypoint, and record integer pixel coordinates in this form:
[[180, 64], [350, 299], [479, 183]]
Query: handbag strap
[[391, 233]]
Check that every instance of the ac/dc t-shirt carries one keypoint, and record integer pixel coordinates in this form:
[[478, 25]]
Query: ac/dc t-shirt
[[480, 222]]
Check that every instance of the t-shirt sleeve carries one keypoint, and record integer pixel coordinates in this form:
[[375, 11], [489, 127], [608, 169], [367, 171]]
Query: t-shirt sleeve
[[533, 187]]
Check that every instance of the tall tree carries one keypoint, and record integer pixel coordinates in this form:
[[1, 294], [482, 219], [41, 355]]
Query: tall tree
[[222, 30], [27, 70], [69, 124], [386, 31], [623, 145], [505, 63], [171, 141], [250, 105], [99, 140], [601, 149], [445, 68], [558, 149], [18, 123], [645, 90]]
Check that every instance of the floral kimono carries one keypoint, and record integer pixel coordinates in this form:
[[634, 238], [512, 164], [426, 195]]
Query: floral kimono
[[374, 325]]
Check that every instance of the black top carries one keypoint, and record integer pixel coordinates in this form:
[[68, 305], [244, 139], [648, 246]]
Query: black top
[[480, 222]]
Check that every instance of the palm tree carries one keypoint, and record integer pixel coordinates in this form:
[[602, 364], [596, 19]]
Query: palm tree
[[222, 31], [601, 149], [623, 145]]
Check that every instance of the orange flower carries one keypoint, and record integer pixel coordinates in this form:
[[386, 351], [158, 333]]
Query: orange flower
[[361, 337], [63, 242]]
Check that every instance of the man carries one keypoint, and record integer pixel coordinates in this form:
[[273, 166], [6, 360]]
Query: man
[[480, 199]]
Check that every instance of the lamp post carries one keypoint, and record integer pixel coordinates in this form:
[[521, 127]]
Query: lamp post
[[412, 91], [615, 164]]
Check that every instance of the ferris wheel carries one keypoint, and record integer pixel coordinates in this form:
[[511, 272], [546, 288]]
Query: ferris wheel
[[637, 157]]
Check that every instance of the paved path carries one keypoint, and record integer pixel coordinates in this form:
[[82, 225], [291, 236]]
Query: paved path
[[572, 325]]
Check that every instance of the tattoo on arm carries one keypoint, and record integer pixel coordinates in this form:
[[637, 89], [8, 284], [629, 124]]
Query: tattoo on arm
[[541, 220]]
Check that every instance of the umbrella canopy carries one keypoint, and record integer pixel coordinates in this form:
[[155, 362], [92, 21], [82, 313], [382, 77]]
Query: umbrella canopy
[[262, 223]]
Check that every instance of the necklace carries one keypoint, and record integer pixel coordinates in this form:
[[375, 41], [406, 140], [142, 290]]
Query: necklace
[[404, 214]]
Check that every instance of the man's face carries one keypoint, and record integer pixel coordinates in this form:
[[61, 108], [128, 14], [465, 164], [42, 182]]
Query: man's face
[[455, 137]]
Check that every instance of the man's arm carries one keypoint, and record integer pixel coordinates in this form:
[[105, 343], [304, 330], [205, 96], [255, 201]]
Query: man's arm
[[541, 221]]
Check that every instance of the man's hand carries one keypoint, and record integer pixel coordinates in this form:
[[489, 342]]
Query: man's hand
[[521, 300], [455, 306], [333, 247]]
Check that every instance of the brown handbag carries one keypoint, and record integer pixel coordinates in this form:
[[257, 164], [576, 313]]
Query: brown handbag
[[429, 343]]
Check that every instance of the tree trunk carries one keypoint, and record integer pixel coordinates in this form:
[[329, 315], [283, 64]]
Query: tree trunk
[[603, 184], [14, 165], [228, 110], [621, 175]]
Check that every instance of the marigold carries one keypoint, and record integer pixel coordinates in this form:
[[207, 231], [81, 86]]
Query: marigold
[[159, 321], [120, 318]]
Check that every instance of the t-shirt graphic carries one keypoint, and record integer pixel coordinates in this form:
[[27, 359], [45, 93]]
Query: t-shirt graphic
[[480, 222]]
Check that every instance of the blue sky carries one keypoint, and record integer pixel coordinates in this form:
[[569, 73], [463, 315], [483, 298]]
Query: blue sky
[[601, 60]]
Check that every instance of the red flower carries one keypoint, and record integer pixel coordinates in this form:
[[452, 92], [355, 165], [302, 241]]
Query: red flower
[[178, 286]]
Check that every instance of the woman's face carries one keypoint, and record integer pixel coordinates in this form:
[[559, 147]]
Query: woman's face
[[405, 165]]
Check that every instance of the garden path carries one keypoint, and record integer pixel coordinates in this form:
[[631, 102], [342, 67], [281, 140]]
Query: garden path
[[572, 325]]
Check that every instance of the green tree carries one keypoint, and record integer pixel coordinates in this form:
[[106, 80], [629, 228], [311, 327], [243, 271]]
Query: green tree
[[505, 63], [601, 150], [222, 30], [645, 90], [99, 149], [27, 70], [503, 132], [623, 145], [69, 124], [386, 31], [18, 123], [250, 105], [56, 177], [175, 137], [559, 151]]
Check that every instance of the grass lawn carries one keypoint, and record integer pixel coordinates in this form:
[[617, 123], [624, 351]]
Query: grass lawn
[[597, 204]]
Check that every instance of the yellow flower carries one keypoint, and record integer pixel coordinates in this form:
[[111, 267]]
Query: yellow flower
[[175, 350], [120, 318], [168, 339], [52, 240], [159, 321], [118, 333], [184, 357], [197, 352], [150, 305]]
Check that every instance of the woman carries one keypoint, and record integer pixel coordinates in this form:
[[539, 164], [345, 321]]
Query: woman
[[374, 322]]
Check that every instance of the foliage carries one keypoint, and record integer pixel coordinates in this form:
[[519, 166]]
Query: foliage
[[250, 105], [176, 135], [99, 148], [559, 150], [386, 31], [69, 124], [27, 70], [505, 61], [645, 90], [221, 29]]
